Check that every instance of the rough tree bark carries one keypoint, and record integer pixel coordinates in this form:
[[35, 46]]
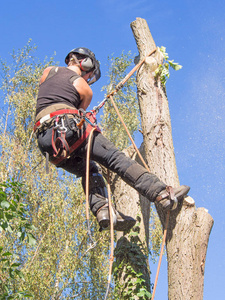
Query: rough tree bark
[[189, 228], [134, 250]]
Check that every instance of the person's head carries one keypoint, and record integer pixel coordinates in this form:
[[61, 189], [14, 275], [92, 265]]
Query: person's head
[[88, 64]]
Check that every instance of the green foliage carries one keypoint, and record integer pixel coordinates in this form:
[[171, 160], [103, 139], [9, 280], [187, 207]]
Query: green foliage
[[155, 235], [125, 100], [14, 224], [13, 212], [130, 266], [61, 264], [162, 71]]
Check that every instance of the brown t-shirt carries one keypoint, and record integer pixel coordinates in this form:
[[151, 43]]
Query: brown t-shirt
[[58, 89]]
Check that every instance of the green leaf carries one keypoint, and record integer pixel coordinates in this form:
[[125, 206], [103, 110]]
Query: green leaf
[[7, 254], [4, 259], [22, 236], [5, 204], [20, 274], [2, 195], [9, 216], [163, 70], [31, 239], [15, 265], [177, 67], [29, 226]]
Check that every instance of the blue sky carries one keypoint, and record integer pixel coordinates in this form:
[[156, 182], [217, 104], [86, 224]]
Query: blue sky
[[193, 33]]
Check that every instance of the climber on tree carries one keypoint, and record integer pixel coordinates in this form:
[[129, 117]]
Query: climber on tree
[[62, 127]]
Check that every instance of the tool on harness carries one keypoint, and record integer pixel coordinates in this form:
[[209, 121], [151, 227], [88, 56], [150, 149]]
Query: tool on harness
[[89, 116], [62, 128], [62, 149], [60, 145]]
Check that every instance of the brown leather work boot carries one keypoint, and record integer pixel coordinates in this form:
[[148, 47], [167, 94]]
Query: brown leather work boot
[[120, 221], [169, 197]]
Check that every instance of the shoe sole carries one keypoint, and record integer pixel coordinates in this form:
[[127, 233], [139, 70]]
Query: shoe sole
[[124, 225], [184, 189]]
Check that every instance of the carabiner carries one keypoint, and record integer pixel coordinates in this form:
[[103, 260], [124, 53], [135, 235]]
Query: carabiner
[[62, 128]]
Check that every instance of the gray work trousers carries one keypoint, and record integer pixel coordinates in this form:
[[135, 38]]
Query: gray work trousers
[[105, 153]]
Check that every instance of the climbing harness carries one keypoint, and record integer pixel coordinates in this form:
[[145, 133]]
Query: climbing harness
[[62, 149], [60, 145]]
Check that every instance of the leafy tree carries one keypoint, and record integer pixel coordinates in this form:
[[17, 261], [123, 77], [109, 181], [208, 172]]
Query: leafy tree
[[126, 101], [14, 225], [62, 263]]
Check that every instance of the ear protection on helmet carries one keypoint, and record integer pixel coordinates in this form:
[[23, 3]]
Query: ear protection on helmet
[[89, 63], [86, 64]]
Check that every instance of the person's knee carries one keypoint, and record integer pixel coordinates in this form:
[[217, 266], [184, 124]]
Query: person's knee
[[133, 173]]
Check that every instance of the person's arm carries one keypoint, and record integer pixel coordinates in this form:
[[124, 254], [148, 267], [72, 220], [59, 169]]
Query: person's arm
[[85, 92]]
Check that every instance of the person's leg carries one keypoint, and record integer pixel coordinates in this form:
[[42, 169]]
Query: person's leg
[[147, 184], [98, 196], [97, 189], [105, 153], [76, 164]]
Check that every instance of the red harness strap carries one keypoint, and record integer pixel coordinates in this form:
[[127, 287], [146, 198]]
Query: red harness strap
[[55, 113], [60, 146], [73, 147]]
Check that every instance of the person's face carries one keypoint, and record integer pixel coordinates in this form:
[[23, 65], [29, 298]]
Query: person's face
[[87, 76]]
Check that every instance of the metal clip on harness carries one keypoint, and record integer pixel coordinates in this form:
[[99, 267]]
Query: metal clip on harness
[[60, 145], [62, 128]]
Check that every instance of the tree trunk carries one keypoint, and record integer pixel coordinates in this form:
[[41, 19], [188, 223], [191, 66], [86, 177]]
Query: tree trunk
[[189, 228], [132, 250]]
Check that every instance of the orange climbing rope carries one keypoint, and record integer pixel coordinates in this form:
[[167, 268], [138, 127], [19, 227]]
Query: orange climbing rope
[[110, 210], [87, 183], [161, 254], [128, 133], [111, 235], [168, 213]]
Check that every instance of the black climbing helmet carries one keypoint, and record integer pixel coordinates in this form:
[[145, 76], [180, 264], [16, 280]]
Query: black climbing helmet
[[89, 63]]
